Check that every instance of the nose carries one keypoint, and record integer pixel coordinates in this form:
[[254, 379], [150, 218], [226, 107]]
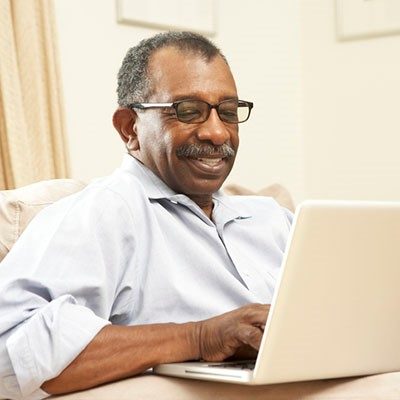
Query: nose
[[214, 130]]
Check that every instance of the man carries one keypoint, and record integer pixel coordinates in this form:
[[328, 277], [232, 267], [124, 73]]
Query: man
[[151, 264]]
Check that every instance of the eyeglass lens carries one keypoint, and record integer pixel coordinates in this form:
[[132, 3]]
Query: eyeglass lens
[[195, 111]]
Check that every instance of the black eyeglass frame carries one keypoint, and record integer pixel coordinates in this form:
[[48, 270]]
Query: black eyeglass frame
[[175, 104]]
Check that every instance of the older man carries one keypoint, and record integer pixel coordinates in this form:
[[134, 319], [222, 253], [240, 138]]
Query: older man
[[151, 264]]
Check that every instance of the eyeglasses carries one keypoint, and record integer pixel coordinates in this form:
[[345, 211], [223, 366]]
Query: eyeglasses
[[196, 111]]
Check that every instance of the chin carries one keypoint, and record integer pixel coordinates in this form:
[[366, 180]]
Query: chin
[[203, 189]]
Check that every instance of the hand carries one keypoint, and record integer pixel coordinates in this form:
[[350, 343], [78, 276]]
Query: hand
[[220, 337]]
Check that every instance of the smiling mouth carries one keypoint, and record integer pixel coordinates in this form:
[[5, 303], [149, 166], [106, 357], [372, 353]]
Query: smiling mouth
[[209, 165], [211, 162]]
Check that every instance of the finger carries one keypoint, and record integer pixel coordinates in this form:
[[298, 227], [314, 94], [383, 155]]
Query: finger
[[256, 314], [251, 336], [245, 352], [262, 327]]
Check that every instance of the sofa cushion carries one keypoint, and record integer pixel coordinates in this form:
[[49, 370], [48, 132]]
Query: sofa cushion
[[150, 387], [19, 206], [277, 191]]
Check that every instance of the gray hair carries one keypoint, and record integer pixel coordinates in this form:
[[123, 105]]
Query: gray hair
[[133, 80]]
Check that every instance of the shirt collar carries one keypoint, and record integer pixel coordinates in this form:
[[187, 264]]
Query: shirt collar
[[155, 188]]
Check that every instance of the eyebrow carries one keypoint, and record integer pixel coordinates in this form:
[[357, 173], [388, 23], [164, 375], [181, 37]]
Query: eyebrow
[[197, 97]]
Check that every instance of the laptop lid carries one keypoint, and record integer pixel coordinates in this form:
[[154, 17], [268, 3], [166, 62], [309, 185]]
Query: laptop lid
[[336, 309]]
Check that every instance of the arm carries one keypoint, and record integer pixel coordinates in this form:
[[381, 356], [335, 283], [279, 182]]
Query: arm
[[121, 351], [117, 352]]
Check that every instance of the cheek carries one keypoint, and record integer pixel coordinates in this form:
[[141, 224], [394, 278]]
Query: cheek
[[234, 138], [176, 136], [153, 137], [168, 141], [163, 146]]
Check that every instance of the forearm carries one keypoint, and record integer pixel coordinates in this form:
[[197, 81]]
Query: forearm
[[118, 352]]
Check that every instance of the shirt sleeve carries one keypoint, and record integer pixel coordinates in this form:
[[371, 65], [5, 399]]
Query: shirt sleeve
[[61, 331], [57, 289]]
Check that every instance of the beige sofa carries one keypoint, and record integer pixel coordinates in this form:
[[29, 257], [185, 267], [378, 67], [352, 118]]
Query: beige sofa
[[17, 208]]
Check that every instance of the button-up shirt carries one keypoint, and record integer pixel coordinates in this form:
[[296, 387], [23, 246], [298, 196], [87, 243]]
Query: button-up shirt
[[128, 250]]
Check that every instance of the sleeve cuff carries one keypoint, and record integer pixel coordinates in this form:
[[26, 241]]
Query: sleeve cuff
[[49, 341]]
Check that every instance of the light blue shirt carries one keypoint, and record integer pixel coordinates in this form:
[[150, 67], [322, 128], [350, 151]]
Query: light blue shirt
[[128, 250]]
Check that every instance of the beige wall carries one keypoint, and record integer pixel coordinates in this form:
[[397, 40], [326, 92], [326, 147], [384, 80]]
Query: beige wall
[[351, 103], [325, 122]]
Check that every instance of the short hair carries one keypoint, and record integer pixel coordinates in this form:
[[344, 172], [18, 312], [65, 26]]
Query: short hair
[[133, 79]]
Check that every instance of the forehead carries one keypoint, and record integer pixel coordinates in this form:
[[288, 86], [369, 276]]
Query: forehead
[[176, 74]]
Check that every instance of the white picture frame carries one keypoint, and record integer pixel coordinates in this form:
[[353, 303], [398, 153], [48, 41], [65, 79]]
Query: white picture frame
[[359, 19], [183, 15]]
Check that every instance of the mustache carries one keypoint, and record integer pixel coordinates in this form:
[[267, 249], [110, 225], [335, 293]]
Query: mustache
[[204, 150]]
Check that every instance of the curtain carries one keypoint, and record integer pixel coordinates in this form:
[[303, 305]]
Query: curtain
[[32, 128]]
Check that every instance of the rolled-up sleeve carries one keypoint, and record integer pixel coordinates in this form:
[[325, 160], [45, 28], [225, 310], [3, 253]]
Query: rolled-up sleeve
[[57, 289], [61, 331]]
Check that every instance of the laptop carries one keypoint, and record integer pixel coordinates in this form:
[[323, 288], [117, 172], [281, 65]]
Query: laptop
[[336, 307]]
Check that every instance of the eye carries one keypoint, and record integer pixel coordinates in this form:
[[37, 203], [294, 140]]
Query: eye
[[188, 111], [229, 113]]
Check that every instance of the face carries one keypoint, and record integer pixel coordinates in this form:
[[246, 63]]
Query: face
[[177, 76]]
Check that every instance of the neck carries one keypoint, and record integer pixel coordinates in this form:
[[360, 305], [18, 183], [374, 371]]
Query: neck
[[204, 202]]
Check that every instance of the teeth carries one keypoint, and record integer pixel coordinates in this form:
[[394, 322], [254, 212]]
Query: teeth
[[210, 161]]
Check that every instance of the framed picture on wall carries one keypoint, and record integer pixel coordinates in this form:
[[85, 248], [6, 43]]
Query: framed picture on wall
[[193, 15], [358, 19]]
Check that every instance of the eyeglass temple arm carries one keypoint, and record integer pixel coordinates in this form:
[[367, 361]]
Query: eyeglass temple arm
[[143, 106]]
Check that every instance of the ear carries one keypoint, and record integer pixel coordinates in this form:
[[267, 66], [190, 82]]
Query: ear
[[124, 121]]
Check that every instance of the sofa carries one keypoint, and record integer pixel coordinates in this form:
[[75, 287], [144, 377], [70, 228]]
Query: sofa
[[18, 207]]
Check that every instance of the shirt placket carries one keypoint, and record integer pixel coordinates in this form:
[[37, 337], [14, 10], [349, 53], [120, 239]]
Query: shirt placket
[[250, 276]]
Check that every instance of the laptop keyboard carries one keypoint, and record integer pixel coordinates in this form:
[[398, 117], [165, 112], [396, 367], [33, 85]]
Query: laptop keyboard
[[238, 365]]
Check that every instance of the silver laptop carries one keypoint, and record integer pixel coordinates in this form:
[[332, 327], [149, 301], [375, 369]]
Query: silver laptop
[[336, 308]]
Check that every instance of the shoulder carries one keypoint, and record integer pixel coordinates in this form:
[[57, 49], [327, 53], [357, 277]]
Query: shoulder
[[119, 189], [112, 198]]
